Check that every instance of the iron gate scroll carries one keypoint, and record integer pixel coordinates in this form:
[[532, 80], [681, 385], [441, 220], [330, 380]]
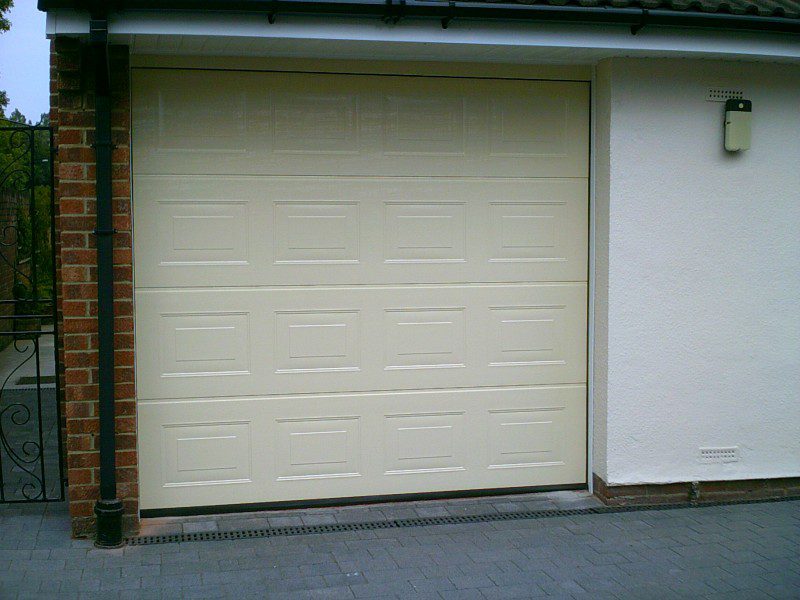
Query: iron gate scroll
[[31, 466]]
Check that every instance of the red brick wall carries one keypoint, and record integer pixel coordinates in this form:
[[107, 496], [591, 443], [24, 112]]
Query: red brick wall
[[73, 116], [704, 491]]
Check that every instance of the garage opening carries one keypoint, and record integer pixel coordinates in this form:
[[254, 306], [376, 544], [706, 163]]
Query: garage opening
[[357, 285]]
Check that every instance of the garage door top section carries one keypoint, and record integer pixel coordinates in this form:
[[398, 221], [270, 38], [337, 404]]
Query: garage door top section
[[234, 123]]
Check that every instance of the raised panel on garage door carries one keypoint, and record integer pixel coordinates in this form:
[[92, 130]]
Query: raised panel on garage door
[[357, 285], [202, 452], [224, 230], [288, 340], [310, 124]]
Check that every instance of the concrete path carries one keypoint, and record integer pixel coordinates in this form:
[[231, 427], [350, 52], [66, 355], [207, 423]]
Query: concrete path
[[740, 551]]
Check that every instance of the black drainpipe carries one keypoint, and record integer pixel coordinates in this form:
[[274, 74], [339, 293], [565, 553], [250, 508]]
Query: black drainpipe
[[108, 507]]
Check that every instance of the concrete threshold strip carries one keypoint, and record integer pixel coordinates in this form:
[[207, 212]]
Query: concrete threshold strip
[[269, 532]]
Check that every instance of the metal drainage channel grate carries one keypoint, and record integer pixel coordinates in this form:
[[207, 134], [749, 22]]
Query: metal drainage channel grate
[[269, 532]]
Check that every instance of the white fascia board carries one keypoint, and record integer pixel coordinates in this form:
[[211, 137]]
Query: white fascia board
[[605, 40], [67, 22]]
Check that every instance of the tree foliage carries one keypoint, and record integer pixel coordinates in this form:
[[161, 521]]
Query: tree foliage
[[5, 25], [5, 6], [18, 152]]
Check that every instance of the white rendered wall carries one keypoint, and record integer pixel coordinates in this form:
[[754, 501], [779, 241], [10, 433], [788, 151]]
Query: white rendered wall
[[698, 273]]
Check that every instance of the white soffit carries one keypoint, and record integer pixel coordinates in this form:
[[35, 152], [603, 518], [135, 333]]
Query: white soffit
[[235, 34]]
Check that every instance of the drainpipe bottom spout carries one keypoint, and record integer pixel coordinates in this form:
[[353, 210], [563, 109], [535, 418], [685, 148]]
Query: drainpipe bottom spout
[[109, 523]]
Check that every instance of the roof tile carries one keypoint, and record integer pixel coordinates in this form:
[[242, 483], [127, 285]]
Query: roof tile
[[764, 8]]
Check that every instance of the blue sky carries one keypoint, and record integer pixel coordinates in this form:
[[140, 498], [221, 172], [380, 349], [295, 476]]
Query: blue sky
[[25, 60]]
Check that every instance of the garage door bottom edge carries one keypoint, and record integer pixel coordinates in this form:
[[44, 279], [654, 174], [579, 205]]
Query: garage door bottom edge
[[190, 511]]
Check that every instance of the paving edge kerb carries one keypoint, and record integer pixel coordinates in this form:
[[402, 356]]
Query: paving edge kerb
[[294, 530]]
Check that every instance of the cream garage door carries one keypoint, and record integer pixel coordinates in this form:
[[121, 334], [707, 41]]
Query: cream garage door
[[352, 285]]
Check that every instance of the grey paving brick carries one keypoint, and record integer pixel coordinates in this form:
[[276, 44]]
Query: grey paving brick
[[200, 526], [435, 571], [242, 524], [513, 591], [469, 594], [464, 582], [719, 585], [432, 584], [124, 583], [432, 510], [318, 519], [285, 521], [564, 586], [322, 568], [345, 579], [365, 564], [331, 593], [393, 575], [523, 579], [148, 594], [384, 589], [297, 583], [748, 551], [744, 569], [182, 568], [169, 583]]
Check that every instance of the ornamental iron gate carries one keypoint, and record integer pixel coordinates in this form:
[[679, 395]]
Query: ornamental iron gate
[[31, 465]]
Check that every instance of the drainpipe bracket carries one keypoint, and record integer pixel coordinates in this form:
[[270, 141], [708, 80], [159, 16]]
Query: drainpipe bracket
[[452, 10], [104, 231], [394, 12], [98, 31], [637, 27]]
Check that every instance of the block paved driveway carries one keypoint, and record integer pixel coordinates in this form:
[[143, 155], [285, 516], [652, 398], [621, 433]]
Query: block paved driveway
[[737, 551]]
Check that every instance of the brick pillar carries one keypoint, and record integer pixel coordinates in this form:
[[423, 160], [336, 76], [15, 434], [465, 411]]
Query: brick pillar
[[73, 109]]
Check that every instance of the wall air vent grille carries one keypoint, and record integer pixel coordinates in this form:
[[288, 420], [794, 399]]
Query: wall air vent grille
[[719, 455], [721, 94]]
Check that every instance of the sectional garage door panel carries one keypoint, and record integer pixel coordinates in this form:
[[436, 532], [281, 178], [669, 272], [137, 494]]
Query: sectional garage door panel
[[218, 231], [245, 342], [295, 124], [357, 285], [206, 452]]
